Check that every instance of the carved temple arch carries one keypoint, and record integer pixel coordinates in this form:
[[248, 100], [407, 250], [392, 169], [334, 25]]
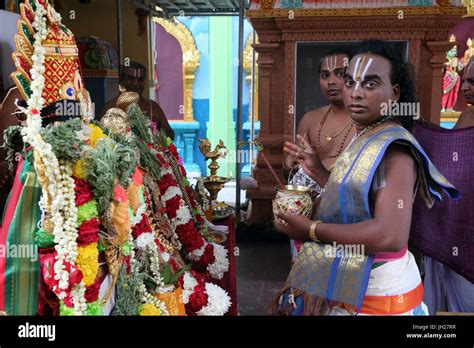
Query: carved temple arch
[[191, 59]]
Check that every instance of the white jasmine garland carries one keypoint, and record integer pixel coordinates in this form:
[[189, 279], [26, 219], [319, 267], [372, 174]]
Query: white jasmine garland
[[61, 185], [133, 262], [80, 305], [152, 250], [218, 301], [146, 297]]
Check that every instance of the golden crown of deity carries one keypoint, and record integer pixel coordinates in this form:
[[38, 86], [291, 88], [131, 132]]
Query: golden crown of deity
[[61, 73]]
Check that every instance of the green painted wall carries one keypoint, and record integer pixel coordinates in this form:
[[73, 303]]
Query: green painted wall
[[221, 125]]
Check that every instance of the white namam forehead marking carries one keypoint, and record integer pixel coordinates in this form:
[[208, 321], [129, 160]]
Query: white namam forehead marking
[[367, 66], [356, 67], [333, 63], [358, 74]]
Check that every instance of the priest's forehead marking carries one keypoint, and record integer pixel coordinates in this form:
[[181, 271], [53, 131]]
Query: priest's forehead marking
[[135, 72], [361, 67], [331, 62]]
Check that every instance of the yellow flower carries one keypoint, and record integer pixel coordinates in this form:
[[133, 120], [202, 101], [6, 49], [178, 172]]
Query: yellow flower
[[149, 310], [96, 134], [88, 262], [79, 171]]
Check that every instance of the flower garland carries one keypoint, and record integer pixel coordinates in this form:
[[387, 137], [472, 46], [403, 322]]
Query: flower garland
[[195, 297], [203, 299], [88, 243], [210, 257], [60, 189], [200, 297], [144, 240], [151, 304]]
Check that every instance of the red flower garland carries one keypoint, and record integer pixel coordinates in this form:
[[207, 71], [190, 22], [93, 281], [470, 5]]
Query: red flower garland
[[165, 182], [189, 236], [92, 291], [142, 227], [198, 299], [88, 232], [83, 191], [206, 259], [172, 206]]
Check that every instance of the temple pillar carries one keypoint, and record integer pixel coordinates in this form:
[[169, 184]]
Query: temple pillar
[[221, 124], [270, 133]]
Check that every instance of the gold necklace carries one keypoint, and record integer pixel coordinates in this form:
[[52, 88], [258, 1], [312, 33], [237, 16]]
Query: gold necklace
[[341, 147], [323, 121], [365, 130]]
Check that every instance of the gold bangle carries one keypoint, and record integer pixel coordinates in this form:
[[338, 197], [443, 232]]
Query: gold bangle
[[312, 230]]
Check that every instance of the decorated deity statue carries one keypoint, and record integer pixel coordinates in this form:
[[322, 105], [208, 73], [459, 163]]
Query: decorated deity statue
[[167, 227], [451, 81], [70, 184], [81, 196]]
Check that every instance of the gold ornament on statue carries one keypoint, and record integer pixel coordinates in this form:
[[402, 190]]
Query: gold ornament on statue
[[213, 183], [116, 120], [469, 4], [126, 99]]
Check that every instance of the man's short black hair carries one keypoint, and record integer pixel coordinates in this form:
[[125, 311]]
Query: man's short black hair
[[133, 65], [401, 72], [334, 52]]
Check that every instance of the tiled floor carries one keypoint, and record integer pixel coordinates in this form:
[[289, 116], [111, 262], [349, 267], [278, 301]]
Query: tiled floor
[[262, 268]]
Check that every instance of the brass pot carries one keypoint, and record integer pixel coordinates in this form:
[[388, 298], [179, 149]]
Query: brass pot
[[293, 199]]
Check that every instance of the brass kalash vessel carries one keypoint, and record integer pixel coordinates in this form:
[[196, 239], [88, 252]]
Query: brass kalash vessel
[[213, 183], [293, 199]]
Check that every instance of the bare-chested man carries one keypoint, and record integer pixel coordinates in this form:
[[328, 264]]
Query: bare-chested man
[[467, 117], [329, 129], [133, 78]]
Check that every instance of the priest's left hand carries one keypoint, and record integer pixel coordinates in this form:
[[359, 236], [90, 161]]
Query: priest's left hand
[[297, 226]]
